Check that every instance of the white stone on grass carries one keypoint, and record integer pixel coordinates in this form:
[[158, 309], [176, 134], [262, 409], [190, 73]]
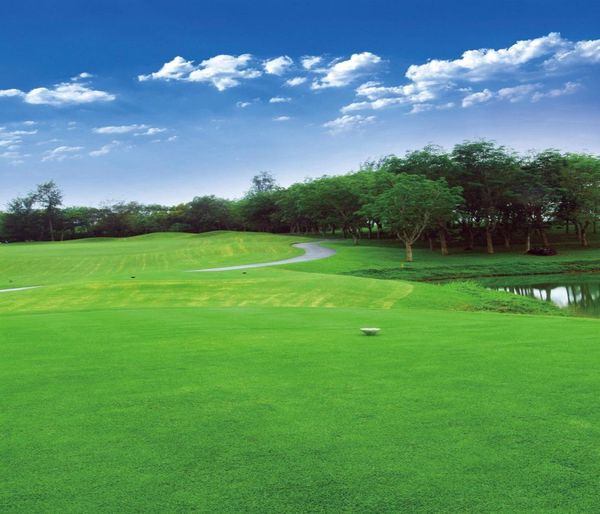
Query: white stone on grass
[[370, 331]]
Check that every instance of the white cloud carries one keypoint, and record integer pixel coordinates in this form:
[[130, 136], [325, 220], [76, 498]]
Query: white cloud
[[83, 75], [517, 93], [104, 150], [310, 61], [65, 93], [278, 66], [342, 73], [439, 82], [11, 92], [172, 138], [62, 153], [152, 131], [12, 139], [279, 99], [222, 71], [476, 98], [567, 89], [347, 123], [119, 129], [30, 123], [381, 97], [295, 81], [176, 69], [243, 105], [282, 118], [485, 63], [580, 52]]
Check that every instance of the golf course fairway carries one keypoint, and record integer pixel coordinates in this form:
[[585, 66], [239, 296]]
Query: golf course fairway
[[129, 385]]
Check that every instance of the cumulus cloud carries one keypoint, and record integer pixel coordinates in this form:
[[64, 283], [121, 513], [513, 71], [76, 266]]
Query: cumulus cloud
[[310, 61], [342, 73], [281, 118], [62, 153], [295, 81], [381, 97], [279, 99], [221, 71], [243, 105], [477, 98], [580, 52], [347, 123], [437, 81], [176, 69], [11, 92], [65, 93], [278, 66]]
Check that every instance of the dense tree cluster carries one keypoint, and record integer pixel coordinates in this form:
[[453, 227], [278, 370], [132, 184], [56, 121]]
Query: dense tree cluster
[[479, 193]]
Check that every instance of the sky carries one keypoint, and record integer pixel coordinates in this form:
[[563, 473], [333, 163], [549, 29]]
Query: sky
[[158, 102]]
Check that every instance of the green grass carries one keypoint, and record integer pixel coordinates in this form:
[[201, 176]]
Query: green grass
[[385, 260], [256, 392]]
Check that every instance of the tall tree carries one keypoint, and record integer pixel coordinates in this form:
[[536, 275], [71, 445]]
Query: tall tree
[[50, 197], [487, 173], [580, 183], [263, 183], [538, 190]]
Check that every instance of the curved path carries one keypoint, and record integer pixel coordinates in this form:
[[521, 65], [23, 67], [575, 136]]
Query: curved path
[[18, 289], [313, 252]]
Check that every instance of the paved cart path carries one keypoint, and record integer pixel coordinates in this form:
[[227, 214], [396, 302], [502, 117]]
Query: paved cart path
[[313, 252]]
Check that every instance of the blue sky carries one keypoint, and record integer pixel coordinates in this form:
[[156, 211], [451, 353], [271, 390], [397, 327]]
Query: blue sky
[[163, 101]]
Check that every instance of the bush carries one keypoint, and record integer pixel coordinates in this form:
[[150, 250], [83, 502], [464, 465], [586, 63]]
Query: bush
[[543, 251]]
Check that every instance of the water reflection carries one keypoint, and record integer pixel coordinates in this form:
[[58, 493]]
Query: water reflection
[[583, 297]]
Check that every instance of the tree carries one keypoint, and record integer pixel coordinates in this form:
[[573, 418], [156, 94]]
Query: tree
[[49, 196], [21, 221], [263, 183], [206, 213], [538, 190], [413, 204], [487, 173], [580, 183]]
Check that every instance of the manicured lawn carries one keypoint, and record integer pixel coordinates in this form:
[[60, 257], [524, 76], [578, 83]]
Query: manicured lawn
[[256, 392]]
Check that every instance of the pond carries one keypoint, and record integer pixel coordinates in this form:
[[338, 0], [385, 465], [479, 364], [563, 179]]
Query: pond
[[579, 292]]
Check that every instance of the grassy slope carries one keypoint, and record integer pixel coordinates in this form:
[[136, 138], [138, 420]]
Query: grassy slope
[[255, 393]]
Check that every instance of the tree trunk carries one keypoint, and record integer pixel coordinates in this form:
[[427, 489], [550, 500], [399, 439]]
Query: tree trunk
[[488, 240], [471, 238], [430, 243], [51, 229], [443, 242], [528, 240], [584, 240], [566, 226], [506, 240], [409, 252], [544, 237]]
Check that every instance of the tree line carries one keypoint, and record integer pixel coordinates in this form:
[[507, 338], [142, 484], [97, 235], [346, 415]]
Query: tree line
[[478, 193]]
